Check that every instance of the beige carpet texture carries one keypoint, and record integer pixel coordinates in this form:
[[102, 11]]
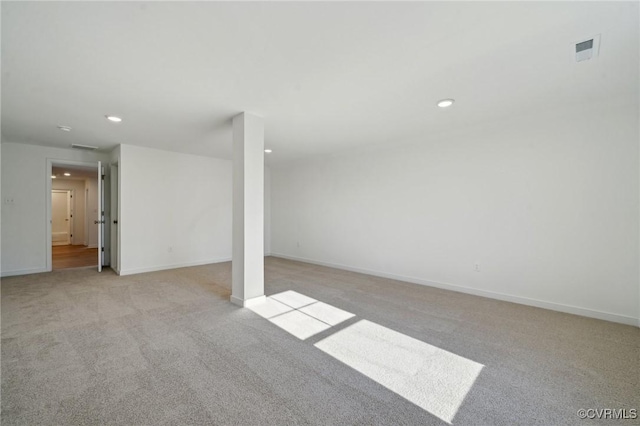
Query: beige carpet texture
[[327, 347]]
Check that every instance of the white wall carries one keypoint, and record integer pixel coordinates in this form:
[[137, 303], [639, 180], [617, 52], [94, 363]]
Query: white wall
[[2, 200], [267, 211], [24, 222], [175, 209], [77, 205], [547, 205], [167, 200]]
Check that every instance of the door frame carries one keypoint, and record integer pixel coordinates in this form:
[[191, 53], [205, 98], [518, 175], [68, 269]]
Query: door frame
[[48, 183], [101, 221], [114, 207]]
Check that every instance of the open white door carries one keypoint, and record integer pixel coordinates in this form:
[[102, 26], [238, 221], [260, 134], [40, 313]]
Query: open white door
[[113, 192], [100, 221]]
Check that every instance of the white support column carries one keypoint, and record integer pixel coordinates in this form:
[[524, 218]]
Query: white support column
[[248, 210]]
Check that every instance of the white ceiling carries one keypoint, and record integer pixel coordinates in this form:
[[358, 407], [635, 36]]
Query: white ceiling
[[326, 76]]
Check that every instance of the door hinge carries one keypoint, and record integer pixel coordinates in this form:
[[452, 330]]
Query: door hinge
[[102, 177], [102, 249]]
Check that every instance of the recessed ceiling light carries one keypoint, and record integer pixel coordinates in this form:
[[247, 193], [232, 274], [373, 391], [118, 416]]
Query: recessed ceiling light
[[64, 128], [113, 118], [67, 174], [268, 151], [53, 176], [445, 103]]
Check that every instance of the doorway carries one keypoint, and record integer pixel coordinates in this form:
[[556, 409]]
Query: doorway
[[61, 216], [91, 233], [74, 209]]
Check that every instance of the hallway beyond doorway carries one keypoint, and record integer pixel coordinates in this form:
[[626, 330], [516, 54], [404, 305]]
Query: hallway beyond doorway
[[73, 256]]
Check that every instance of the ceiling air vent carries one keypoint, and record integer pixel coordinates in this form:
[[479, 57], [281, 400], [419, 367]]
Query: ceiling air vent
[[85, 147], [587, 49]]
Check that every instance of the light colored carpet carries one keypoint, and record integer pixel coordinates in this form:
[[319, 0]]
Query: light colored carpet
[[79, 347]]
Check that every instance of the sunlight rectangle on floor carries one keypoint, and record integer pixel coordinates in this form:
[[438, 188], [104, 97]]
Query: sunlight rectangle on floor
[[432, 378], [300, 315]]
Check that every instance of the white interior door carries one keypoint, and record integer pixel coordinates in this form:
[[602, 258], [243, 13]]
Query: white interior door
[[100, 221], [114, 218], [106, 217], [60, 217]]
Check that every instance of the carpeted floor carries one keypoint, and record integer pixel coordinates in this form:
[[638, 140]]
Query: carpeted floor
[[82, 347]]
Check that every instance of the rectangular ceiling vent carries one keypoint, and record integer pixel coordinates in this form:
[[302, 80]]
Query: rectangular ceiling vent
[[85, 147], [587, 49]]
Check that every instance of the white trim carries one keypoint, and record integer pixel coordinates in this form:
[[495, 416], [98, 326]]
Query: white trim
[[607, 316], [23, 272], [72, 217], [119, 214], [247, 303], [92, 246], [100, 221], [174, 266], [114, 213]]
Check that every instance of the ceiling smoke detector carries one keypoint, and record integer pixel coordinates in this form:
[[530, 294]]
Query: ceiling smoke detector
[[587, 49]]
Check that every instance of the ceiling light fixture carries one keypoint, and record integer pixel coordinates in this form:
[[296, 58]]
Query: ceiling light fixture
[[67, 174], [113, 118], [64, 128], [268, 151], [445, 103]]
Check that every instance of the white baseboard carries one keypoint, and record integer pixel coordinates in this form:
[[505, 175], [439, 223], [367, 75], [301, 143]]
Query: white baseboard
[[93, 246], [23, 272], [247, 303], [133, 271], [585, 312]]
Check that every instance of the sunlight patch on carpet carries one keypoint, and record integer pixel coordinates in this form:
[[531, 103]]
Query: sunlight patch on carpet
[[300, 315], [432, 378]]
